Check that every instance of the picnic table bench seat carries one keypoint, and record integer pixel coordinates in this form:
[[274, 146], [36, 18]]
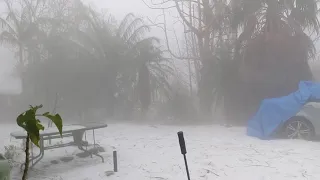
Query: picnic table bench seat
[[76, 131]]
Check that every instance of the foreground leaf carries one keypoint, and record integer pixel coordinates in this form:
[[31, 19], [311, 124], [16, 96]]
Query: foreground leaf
[[56, 119]]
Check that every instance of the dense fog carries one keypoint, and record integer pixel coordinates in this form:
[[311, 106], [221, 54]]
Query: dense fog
[[132, 63]]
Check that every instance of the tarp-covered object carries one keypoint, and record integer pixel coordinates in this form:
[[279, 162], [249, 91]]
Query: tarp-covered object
[[276, 111]]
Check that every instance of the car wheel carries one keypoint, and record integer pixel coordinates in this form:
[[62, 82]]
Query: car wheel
[[299, 128]]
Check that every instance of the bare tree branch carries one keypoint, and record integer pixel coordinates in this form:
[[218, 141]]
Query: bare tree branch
[[189, 25], [160, 8], [168, 1], [164, 28]]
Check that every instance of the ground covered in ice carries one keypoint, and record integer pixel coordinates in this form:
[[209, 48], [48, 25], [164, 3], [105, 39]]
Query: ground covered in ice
[[151, 152]]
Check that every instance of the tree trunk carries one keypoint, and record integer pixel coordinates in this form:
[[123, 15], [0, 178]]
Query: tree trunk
[[21, 69], [144, 88], [206, 85], [26, 164], [111, 88]]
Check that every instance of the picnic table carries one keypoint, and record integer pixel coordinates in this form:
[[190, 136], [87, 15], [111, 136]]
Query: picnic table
[[76, 131]]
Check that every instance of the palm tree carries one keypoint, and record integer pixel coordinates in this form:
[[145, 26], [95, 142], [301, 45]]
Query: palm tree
[[150, 70], [81, 49], [129, 62], [19, 30], [75, 38], [273, 49], [92, 35]]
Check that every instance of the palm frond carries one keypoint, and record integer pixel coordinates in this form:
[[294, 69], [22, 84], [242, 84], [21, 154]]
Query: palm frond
[[124, 24], [144, 44], [137, 34], [242, 9], [88, 42], [130, 28], [161, 82], [9, 38], [25, 15], [147, 42], [11, 16], [160, 72], [305, 13], [7, 26]]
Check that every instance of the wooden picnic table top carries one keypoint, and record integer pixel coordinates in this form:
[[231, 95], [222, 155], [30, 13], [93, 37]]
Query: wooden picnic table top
[[65, 129]]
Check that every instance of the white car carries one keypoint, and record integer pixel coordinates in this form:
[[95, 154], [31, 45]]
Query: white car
[[305, 124]]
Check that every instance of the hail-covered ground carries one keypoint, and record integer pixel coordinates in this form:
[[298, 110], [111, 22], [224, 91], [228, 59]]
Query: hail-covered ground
[[151, 152]]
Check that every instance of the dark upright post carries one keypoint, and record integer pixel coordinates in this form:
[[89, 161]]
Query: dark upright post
[[183, 151], [115, 161]]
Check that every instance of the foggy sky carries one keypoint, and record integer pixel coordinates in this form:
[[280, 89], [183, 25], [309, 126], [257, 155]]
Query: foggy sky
[[117, 8]]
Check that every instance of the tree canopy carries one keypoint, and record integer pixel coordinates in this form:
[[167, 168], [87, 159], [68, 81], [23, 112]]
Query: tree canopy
[[239, 52]]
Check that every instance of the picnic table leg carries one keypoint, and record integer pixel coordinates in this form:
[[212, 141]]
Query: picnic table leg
[[94, 138], [38, 157], [96, 154], [77, 137]]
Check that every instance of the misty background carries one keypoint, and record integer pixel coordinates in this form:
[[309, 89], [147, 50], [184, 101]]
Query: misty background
[[93, 60]]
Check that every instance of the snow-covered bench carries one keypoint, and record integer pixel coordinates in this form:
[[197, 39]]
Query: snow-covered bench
[[75, 131]]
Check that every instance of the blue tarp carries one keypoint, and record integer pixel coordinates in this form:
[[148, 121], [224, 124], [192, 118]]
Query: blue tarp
[[274, 112]]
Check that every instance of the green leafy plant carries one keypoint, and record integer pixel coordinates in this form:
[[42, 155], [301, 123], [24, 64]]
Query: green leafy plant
[[29, 121]]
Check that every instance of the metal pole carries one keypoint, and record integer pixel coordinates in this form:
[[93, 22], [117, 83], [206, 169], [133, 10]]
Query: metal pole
[[186, 163], [115, 161], [94, 139], [183, 151]]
